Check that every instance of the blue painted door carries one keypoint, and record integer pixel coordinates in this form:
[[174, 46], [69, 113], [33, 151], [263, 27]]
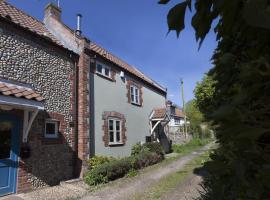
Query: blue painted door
[[9, 147]]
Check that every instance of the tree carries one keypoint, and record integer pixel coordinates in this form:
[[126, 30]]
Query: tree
[[195, 117], [204, 93], [240, 105]]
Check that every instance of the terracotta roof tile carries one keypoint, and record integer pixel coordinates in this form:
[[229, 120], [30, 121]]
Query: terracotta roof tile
[[179, 113], [104, 53], [10, 89], [159, 113], [26, 21]]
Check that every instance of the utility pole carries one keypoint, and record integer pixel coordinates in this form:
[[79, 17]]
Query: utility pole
[[184, 108]]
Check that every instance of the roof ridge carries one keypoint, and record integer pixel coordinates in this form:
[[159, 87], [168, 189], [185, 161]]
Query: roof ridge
[[144, 76], [110, 53]]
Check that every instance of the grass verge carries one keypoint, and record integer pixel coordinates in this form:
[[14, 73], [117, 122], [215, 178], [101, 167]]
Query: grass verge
[[169, 183], [181, 151], [190, 146]]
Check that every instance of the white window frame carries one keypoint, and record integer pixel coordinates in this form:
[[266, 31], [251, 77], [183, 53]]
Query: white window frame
[[114, 131], [103, 69], [177, 121], [56, 123], [133, 89]]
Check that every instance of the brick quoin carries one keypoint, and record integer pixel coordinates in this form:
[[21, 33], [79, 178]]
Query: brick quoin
[[83, 110]]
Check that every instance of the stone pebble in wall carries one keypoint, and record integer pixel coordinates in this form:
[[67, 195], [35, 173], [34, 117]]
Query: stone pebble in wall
[[48, 72]]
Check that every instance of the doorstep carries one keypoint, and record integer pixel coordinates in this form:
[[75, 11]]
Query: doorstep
[[11, 197]]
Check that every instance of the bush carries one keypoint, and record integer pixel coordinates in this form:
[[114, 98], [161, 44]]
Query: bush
[[154, 147], [145, 159], [108, 171], [137, 149], [95, 161], [115, 169]]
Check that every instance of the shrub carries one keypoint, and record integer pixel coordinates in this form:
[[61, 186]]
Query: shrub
[[138, 148], [108, 171], [132, 172], [98, 160], [115, 169], [145, 159], [153, 147]]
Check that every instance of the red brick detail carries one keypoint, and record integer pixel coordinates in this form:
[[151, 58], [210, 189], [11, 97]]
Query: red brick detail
[[23, 173], [130, 83], [105, 127], [83, 106]]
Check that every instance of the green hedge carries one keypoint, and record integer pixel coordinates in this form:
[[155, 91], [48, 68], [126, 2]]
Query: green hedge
[[115, 169], [154, 147]]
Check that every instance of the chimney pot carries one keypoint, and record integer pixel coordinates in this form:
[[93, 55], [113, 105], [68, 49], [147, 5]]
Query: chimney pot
[[79, 24]]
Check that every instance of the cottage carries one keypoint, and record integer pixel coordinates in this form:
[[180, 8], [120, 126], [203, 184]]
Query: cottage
[[121, 98], [37, 107], [170, 121], [63, 99]]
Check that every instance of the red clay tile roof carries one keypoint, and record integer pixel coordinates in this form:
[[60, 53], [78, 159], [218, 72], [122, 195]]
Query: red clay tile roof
[[109, 56], [179, 113], [8, 89], [26, 21], [159, 113]]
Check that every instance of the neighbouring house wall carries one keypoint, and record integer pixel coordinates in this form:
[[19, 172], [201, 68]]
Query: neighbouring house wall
[[26, 58], [111, 95], [77, 44]]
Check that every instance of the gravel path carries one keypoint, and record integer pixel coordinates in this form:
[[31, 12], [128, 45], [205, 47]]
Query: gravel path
[[121, 189], [189, 189], [124, 189]]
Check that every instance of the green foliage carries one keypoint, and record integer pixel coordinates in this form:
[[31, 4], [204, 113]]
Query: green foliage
[[145, 159], [115, 169], [132, 172], [138, 148], [154, 147], [190, 146], [239, 105], [195, 117], [204, 93], [95, 161]]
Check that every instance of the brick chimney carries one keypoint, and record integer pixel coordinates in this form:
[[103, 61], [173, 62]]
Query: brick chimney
[[54, 11]]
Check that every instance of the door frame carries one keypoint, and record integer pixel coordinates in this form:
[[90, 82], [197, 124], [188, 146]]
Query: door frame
[[15, 145]]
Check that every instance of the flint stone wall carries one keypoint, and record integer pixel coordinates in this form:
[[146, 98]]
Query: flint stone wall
[[51, 74]]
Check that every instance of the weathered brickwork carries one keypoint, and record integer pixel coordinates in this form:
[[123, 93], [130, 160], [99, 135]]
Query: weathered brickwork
[[52, 74], [129, 84], [106, 115]]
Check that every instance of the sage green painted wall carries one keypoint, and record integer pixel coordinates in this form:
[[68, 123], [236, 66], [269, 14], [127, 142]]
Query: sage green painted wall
[[112, 96]]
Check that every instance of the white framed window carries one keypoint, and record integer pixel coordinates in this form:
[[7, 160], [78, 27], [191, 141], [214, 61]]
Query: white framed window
[[103, 70], [51, 128], [134, 94], [114, 130], [177, 121]]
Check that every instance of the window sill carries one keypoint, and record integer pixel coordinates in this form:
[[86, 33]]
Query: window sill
[[136, 104], [116, 144], [106, 77]]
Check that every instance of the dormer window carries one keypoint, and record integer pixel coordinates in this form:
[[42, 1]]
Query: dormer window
[[103, 70], [134, 94]]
